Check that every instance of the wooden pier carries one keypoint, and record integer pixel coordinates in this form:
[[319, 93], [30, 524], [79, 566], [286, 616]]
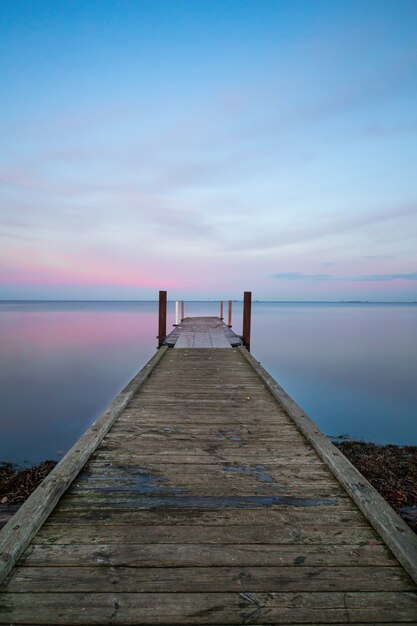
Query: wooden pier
[[205, 495]]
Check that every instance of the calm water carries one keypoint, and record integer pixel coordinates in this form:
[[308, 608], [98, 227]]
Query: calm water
[[352, 367]]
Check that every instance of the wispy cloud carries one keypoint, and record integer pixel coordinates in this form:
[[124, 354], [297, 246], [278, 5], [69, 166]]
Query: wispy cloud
[[331, 277], [325, 226], [300, 276]]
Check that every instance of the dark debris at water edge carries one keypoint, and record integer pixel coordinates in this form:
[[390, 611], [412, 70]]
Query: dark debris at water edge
[[391, 470]]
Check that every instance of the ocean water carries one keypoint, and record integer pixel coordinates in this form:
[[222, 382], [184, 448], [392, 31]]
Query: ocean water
[[352, 367]]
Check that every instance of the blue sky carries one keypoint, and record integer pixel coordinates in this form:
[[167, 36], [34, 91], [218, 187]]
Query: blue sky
[[208, 147]]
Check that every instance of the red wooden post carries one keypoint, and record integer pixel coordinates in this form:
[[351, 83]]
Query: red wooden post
[[247, 304], [162, 327], [182, 310], [229, 314], [221, 309]]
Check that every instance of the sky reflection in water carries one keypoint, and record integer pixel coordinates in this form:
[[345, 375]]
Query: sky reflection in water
[[352, 367]]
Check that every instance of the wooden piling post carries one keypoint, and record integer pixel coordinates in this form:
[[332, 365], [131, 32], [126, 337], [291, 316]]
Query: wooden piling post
[[182, 310], [221, 309], [162, 327], [229, 314], [247, 305]]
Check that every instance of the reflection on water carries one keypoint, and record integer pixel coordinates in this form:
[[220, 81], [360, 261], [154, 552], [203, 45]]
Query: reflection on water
[[61, 365], [352, 367]]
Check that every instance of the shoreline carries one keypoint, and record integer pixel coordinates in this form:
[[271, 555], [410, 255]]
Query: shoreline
[[391, 469], [17, 485]]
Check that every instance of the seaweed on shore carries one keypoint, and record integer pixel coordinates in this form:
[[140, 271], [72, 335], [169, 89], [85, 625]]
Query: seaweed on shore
[[16, 486], [391, 469]]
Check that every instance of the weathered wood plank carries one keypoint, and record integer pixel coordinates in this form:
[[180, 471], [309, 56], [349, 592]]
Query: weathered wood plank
[[239, 458], [372, 623], [185, 340], [316, 493], [196, 428], [203, 502], [344, 514], [202, 339], [218, 339], [220, 480], [209, 608], [123, 440], [175, 429], [203, 579], [209, 555], [224, 448], [99, 474], [231, 534], [198, 495]]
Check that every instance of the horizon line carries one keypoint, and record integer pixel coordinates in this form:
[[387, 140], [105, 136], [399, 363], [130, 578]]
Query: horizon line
[[224, 300]]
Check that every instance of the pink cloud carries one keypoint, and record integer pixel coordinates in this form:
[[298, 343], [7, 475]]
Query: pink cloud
[[85, 271]]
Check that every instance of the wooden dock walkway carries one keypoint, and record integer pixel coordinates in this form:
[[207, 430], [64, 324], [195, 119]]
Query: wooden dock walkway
[[202, 332], [207, 497]]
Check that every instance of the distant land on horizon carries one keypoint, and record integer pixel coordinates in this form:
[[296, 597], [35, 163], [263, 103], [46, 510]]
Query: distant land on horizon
[[224, 300]]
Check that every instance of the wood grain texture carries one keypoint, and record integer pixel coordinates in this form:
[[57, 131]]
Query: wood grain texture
[[231, 534], [209, 608], [213, 555], [211, 579]]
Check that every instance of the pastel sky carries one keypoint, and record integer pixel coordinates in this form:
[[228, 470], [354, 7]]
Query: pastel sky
[[208, 147]]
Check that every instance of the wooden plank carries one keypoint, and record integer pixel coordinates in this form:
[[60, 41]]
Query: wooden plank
[[198, 398], [219, 340], [182, 393], [238, 457], [209, 555], [222, 435], [344, 514], [175, 501], [231, 534], [197, 446], [97, 473], [152, 486], [203, 495], [18, 532], [145, 437], [209, 608], [185, 340], [214, 477], [165, 435], [394, 531], [96, 467], [202, 579], [140, 408], [251, 495], [197, 415], [202, 340]]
